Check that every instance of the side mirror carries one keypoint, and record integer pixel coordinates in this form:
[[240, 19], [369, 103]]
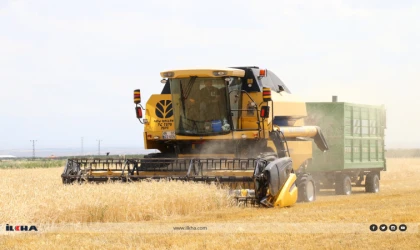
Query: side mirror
[[139, 112], [265, 112], [281, 89]]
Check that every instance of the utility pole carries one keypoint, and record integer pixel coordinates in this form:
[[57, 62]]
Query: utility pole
[[33, 149], [82, 145], [99, 147]]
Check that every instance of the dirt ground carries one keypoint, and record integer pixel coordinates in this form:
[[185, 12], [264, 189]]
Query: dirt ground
[[143, 215]]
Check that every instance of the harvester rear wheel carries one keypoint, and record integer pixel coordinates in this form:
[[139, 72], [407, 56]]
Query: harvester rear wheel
[[343, 185], [306, 188], [372, 183]]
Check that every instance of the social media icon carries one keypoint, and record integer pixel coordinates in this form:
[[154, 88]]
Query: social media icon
[[403, 227], [373, 228], [393, 227], [383, 227]]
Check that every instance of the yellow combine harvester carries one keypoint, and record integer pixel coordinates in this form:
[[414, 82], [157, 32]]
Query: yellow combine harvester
[[239, 126]]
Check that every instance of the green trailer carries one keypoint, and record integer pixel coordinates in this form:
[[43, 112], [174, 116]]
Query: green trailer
[[355, 136]]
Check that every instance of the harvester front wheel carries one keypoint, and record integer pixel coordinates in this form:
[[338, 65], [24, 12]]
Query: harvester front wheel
[[372, 183], [343, 185], [66, 180], [306, 188]]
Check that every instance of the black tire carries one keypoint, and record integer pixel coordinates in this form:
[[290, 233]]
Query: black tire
[[343, 185], [306, 188], [67, 180], [372, 183]]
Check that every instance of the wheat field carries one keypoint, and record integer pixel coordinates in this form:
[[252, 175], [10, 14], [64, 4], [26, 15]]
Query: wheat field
[[142, 215]]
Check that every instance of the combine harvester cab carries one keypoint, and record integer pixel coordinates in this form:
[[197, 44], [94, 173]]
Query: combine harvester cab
[[238, 126]]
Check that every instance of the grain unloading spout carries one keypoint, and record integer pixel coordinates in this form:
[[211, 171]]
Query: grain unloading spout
[[313, 132], [320, 141]]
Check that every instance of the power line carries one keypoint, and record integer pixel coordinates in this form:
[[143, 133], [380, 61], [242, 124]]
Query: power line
[[33, 149], [99, 146], [82, 146]]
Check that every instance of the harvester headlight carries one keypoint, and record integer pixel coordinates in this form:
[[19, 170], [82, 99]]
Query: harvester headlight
[[168, 74], [156, 137], [145, 121], [243, 136], [219, 73], [163, 81]]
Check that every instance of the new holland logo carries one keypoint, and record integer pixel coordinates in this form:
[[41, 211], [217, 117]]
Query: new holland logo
[[164, 109]]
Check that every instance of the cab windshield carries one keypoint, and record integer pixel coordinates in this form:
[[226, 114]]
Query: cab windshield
[[201, 105]]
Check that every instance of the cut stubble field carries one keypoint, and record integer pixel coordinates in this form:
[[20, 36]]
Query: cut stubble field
[[142, 215]]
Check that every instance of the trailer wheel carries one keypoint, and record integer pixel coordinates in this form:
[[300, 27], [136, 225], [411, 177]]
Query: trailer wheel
[[306, 188], [343, 185], [372, 183]]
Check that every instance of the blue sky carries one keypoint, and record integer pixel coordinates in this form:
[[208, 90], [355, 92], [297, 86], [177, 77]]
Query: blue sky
[[68, 69]]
